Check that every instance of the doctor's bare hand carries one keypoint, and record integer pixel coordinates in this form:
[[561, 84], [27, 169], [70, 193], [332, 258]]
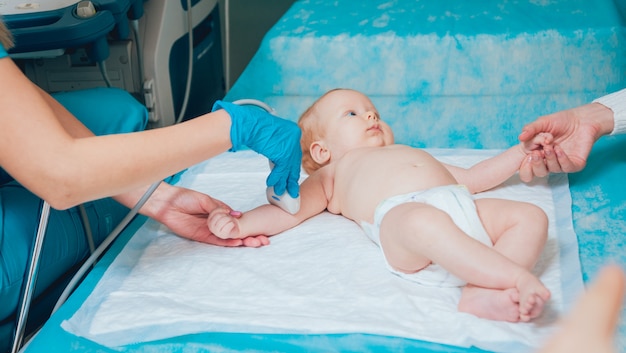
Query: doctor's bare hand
[[185, 212], [575, 131]]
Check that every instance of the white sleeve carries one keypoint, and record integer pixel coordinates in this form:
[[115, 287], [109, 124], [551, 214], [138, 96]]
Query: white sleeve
[[617, 103]]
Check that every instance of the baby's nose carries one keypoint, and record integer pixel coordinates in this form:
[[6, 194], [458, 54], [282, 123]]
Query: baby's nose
[[371, 115]]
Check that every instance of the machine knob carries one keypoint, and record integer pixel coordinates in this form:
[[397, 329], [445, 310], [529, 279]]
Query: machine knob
[[85, 9]]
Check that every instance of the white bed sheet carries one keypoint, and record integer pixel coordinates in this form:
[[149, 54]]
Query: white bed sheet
[[324, 276]]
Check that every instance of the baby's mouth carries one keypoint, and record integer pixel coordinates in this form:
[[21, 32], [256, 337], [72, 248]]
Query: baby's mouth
[[375, 127]]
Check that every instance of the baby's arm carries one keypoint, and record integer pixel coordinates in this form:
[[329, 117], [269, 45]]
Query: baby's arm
[[493, 171], [269, 219]]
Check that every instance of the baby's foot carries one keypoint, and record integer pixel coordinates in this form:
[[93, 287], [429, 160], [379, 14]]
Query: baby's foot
[[492, 304], [533, 296]]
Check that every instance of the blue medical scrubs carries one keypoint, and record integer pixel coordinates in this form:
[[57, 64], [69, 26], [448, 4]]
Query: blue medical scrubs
[[103, 111]]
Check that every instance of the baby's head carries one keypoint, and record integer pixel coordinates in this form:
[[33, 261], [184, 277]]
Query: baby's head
[[339, 121]]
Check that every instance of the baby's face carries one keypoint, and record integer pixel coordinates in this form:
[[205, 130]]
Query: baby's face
[[351, 121]]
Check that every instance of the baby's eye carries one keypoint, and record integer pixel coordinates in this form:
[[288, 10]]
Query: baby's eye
[[351, 113]]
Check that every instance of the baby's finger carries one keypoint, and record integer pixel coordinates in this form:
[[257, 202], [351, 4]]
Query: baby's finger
[[214, 217], [543, 139], [227, 228], [223, 228], [548, 138]]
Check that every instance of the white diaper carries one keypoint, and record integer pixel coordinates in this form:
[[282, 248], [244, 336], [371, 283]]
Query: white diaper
[[456, 201]]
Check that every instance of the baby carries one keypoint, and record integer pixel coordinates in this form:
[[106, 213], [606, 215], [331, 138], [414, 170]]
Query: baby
[[417, 209]]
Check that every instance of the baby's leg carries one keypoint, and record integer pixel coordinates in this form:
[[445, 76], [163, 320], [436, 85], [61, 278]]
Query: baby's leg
[[519, 232], [413, 235]]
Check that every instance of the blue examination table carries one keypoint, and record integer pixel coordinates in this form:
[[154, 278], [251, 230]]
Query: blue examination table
[[444, 74]]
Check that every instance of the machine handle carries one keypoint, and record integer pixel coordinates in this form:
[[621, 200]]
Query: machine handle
[[58, 30]]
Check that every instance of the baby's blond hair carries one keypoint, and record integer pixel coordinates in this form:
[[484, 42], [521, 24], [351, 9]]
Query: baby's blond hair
[[6, 39], [311, 131]]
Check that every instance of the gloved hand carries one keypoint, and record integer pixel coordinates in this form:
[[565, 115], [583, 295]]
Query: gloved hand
[[277, 139]]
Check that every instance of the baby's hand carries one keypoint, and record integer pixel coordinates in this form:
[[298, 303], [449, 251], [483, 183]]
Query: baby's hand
[[223, 224], [535, 164], [542, 142]]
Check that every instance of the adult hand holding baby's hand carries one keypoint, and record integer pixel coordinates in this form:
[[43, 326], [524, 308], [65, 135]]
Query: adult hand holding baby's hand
[[184, 211], [575, 131], [223, 224], [537, 162]]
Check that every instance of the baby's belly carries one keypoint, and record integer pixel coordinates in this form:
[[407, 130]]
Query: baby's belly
[[359, 198]]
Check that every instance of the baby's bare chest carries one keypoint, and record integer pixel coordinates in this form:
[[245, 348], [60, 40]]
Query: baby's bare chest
[[363, 180]]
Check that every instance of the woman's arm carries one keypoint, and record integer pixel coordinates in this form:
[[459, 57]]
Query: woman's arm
[[42, 149]]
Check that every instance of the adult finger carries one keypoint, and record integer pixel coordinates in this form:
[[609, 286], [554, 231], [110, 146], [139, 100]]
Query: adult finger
[[293, 188], [551, 160], [530, 130], [256, 241], [538, 164], [278, 178], [606, 296], [211, 239], [526, 170], [591, 325], [566, 164]]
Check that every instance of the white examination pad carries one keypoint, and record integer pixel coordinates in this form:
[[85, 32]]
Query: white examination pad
[[324, 276]]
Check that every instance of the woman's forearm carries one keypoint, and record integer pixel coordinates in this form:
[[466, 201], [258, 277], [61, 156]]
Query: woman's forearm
[[120, 163], [77, 129], [40, 148]]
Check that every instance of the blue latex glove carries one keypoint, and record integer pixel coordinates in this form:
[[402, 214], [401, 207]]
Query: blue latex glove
[[277, 139]]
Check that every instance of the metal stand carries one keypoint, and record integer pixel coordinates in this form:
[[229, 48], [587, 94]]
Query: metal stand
[[29, 286]]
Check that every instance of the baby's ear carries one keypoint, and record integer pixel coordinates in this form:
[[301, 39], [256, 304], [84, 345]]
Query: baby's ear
[[319, 152]]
